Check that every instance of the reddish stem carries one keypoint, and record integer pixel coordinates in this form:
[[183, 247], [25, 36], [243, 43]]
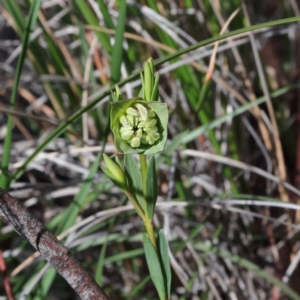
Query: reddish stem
[[6, 282]]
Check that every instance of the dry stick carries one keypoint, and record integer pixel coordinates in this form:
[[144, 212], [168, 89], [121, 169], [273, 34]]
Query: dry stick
[[59, 257], [211, 65], [255, 110], [280, 168]]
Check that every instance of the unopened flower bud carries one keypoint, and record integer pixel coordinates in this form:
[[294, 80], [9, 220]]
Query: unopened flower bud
[[114, 172]]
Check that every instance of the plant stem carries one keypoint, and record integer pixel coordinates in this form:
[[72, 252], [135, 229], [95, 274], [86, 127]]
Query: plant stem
[[149, 228], [137, 206], [143, 162], [147, 222]]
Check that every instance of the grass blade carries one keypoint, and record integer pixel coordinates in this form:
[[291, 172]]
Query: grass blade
[[60, 129], [117, 52], [25, 43], [91, 19]]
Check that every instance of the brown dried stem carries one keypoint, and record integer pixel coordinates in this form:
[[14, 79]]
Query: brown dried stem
[[59, 257]]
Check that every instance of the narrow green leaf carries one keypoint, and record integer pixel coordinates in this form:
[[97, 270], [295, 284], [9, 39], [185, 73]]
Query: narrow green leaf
[[134, 179], [186, 136], [141, 93], [204, 128], [100, 262], [151, 188], [73, 210], [148, 81], [155, 93], [138, 287], [120, 256], [77, 114], [106, 14], [220, 37], [117, 52], [25, 43], [91, 19], [116, 94], [203, 93], [154, 268], [16, 13], [114, 97], [62, 68], [175, 143], [47, 281], [164, 255]]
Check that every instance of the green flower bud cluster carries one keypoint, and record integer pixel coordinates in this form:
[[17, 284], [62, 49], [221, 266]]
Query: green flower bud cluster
[[139, 126]]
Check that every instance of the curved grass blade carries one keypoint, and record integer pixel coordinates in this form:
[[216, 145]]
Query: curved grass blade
[[91, 19], [117, 52], [187, 136], [138, 287], [25, 43], [74, 208], [106, 15], [224, 36], [60, 129]]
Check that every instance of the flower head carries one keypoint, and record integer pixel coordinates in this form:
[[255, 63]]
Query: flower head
[[139, 126]]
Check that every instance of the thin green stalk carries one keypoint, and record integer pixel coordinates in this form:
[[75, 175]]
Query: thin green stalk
[[147, 222], [150, 231], [136, 206], [143, 162]]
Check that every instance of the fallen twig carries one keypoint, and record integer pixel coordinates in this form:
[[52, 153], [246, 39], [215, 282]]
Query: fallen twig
[[60, 258]]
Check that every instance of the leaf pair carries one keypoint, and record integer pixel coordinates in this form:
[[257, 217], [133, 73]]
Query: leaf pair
[[140, 124], [159, 265]]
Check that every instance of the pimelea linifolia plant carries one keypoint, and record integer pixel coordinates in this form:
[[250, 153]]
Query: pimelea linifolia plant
[[139, 126]]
